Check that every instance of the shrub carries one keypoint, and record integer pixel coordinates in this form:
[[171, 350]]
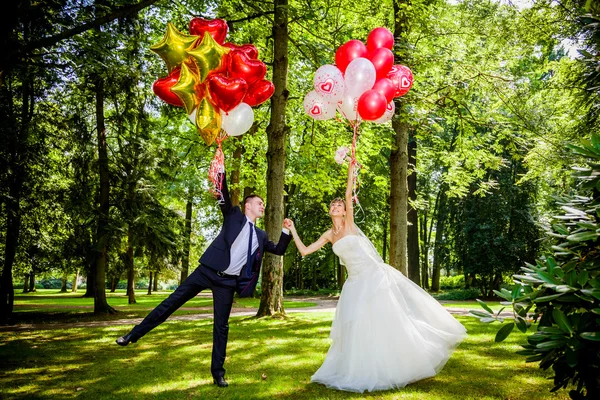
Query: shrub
[[457, 294], [452, 282], [564, 291]]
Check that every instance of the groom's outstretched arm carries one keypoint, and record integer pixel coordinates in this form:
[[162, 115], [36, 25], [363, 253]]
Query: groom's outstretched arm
[[281, 246], [226, 203]]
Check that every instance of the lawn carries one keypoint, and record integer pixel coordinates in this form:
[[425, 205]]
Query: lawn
[[173, 362]]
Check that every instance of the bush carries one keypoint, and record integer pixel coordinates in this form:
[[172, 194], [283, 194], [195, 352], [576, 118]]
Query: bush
[[564, 290], [458, 294], [452, 282]]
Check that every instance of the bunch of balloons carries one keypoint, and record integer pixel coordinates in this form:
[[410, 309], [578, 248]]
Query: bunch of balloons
[[362, 84], [217, 82]]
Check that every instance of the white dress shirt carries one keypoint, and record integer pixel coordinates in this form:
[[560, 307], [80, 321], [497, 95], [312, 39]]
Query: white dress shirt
[[238, 254]]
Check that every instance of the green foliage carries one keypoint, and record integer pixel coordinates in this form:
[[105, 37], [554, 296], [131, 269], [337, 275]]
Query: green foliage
[[563, 289], [457, 294]]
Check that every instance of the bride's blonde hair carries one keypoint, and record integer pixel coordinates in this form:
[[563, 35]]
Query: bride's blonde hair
[[338, 200]]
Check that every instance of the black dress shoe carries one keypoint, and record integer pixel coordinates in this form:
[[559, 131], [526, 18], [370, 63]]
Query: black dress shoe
[[125, 340], [221, 382]]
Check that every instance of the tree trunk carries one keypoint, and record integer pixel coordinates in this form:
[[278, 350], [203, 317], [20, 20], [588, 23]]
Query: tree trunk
[[398, 195], [341, 274], [424, 251], [90, 286], [26, 284], [32, 282], [271, 301], [187, 244], [75, 280], [63, 287], [100, 304], [130, 267], [438, 250], [155, 284], [150, 284], [385, 234], [414, 267]]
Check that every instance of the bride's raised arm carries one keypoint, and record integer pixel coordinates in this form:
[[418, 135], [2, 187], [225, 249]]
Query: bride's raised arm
[[349, 187], [311, 248]]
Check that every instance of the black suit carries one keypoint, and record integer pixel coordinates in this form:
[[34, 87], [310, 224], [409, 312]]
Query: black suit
[[215, 260]]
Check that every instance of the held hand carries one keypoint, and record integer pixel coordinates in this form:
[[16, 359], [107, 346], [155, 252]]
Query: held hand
[[288, 223]]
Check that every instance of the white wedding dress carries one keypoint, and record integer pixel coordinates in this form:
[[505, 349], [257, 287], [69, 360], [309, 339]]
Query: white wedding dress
[[387, 332]]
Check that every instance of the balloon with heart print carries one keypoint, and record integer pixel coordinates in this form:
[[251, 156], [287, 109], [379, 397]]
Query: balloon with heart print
[[348, 52], [250, 50], [226, 93], [380, 38], [217, 28], [317, 107], [237, 121], [162, 88], [382, 60], [259, 92], [371, 105], [402, 78], [388, 114], [348, 107], [359, 77], [329, 83], [240, 66]]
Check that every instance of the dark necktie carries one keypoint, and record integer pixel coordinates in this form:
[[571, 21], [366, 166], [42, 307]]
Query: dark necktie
[[249, 262]]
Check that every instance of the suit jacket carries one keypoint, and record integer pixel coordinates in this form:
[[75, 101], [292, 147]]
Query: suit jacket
[[217, 256]]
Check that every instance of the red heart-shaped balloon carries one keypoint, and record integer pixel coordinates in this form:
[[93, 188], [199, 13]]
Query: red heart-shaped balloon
[[249, 49], [259, 92], [240, 66], [162, 88], [226, 93], [383, 60], [217, 28]]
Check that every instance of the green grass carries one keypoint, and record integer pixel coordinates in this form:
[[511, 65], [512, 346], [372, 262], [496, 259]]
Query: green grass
[[173, 362], [471, 304]]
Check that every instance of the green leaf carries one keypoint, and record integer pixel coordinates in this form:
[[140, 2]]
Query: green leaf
[[595, 336], [480, 314], [521, 324], [583, 278], [505, 296], [583, 236], [551, 344], [571, 357], [504, 332], [547, 278], [485, 306], [561, 320], [543, 299]]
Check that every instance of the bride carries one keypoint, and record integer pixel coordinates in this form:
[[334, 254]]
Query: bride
[[387, 332]]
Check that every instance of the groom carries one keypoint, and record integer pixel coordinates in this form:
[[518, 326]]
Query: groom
[[230, 264]]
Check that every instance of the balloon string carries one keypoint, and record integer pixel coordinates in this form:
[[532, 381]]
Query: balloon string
[[217, 167]]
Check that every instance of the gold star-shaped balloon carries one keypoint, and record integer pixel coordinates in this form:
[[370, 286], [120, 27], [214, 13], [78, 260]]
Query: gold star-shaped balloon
[[208, 121], [208, 55], [174, 46], [184, 88]]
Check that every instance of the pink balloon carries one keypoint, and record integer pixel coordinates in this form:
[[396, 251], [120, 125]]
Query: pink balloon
[[329, 83], [349, 51], [388, 114], [371, 105], [386, 88], [380, 37], [382, 60], [402, 78], [317, 107]]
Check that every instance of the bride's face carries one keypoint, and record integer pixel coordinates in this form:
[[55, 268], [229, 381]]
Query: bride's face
[[337, 209]]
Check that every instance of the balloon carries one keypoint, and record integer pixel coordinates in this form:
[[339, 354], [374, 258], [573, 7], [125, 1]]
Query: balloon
[[237, 121], [208, 55], [349, 51], [380, 38], [329, 83], [371, 105], [240, 66], [389, 113], [192, 116], [402, 78], [162, 88], [174, 46], [226, 93], [347, 107], [317, 107], [359, 77], [250, 50], [382, 60], [386, 88], [185, 88], [217, 28], [259, 92], [208, 121]]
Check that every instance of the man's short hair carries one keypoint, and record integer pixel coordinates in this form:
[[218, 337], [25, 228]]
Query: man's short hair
[[250, 197]]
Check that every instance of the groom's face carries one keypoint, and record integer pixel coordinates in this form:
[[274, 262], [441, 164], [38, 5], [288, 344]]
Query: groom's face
[[255, 206]]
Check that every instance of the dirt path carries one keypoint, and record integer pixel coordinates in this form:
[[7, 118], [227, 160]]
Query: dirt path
[[323, 304]]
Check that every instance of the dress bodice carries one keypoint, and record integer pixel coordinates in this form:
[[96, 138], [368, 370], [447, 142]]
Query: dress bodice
[[355, 253]]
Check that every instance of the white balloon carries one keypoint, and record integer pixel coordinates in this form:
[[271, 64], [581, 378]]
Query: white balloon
[[192, 116], [318, 107], [388, 114], [360, 76], [348, 107], [238, 120], [329, 83]]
